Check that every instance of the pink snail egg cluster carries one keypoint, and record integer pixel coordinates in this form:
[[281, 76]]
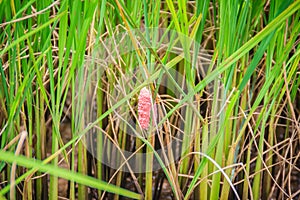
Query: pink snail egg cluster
[[144, 108]]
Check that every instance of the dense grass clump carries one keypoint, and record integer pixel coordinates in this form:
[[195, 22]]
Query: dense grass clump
[[222, 80]]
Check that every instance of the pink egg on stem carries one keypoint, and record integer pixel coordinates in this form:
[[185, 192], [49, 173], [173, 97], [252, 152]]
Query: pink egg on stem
[[144, 108]]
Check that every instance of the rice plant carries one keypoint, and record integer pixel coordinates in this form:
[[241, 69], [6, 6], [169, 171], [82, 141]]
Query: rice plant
[[149, 99]]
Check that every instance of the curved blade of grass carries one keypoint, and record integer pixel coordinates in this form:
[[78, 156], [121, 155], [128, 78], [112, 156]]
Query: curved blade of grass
[[56, 171]]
